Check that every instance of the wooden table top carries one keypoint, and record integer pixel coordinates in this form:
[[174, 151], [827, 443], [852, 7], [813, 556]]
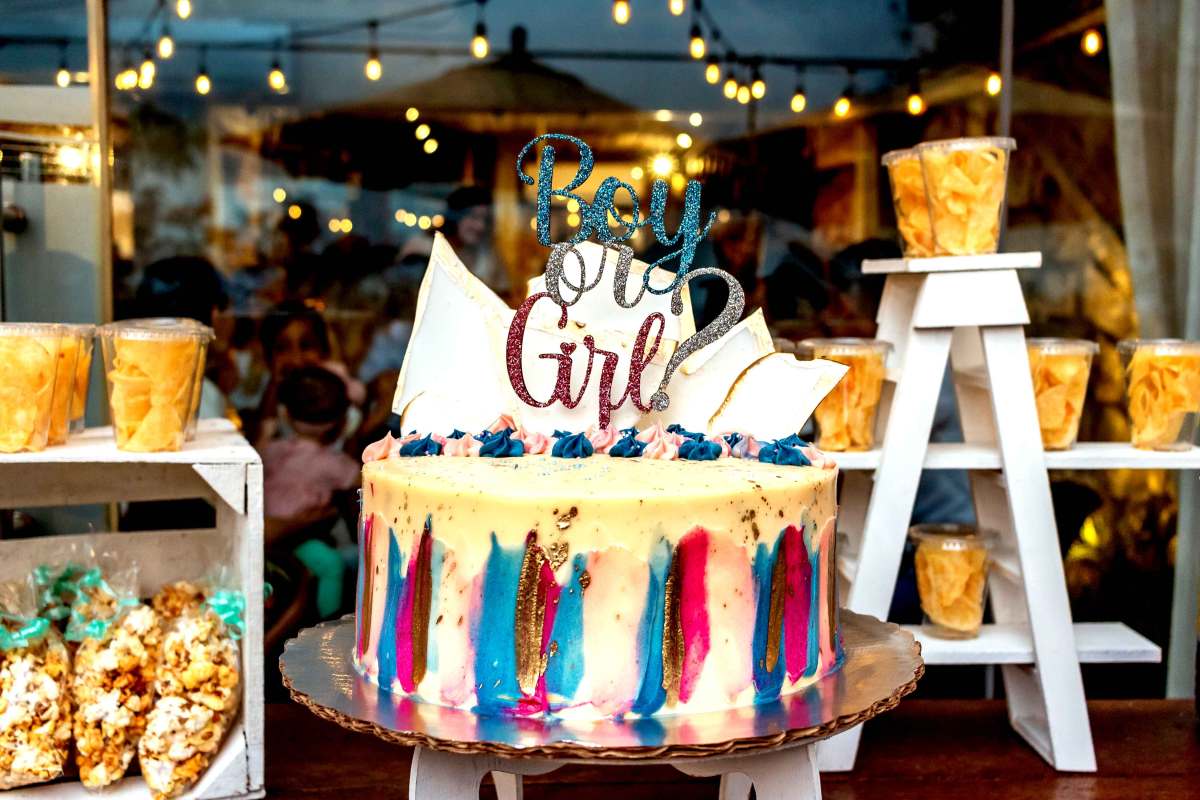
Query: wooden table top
[[926, 749]]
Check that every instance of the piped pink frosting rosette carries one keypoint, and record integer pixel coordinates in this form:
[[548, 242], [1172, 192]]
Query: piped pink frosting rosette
[[504, 421], [661, 444], [603, 439], [463, 447], [387, 447], [747, 447], [536, 444]]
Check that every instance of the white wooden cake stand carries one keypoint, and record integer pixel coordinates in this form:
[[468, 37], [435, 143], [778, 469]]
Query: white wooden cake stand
[[768, 746]]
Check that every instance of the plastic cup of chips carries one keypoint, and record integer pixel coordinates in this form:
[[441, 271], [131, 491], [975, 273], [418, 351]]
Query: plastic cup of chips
[[1060, 369], [206, 336], [965, 181], [952, 565], [28, 364], [1162, 385], [846, 417], [75, 344], [151, 372], [909, 199]]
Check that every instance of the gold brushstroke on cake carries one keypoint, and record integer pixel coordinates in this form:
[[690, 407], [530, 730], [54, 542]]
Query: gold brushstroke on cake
[[530, 618], [422, 598], [672, 646], [775, 610]]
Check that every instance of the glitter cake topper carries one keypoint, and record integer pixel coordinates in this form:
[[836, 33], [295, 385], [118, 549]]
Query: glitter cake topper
[[594, 217]]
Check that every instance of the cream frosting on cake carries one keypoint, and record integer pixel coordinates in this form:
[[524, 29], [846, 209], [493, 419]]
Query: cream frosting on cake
[[599, 585]]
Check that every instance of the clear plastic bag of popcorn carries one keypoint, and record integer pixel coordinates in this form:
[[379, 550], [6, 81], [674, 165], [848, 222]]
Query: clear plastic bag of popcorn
[[113, 676], [54, 587], [198, 687], [35, 697]]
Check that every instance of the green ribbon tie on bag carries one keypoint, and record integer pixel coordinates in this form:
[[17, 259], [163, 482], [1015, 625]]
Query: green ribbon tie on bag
[[28, 630], [230, 606]]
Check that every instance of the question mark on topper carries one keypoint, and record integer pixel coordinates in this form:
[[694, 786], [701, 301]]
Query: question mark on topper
[[714, 330]]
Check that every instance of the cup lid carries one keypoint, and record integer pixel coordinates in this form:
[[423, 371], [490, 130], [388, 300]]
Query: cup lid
[[969, 143], [31, 329], [892, 156], [952, 535], [119, 330], [177, 327], [1163, 347], [845, 346], [1064, 346]]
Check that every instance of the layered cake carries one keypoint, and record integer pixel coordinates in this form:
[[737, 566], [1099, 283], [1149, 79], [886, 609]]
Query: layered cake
[[596, 574], [641, 531]]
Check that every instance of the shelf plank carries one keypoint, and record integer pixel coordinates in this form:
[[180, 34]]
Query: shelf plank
[[1085, 455], [884, 266], [1096, 643], [216, 442]]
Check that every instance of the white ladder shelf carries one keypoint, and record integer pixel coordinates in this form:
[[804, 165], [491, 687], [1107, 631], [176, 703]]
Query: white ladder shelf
[[970, 311]]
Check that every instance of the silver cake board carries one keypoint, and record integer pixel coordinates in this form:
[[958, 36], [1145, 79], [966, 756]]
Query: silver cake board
[[769, 746]]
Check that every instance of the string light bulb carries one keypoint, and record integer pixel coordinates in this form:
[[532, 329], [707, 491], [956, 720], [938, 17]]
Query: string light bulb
[[915, 103], [743, 94], [183, 8], [1092, 42], [695, 119], [147, 72], [275, 78], [799, 99], [758, 87], [662, 165], [411, 114], [731, 86], [126, 79], [696, 45], [620, 12], [203, 82], [373, 67], [422, 132], [430, 146], [63, 76], [676, 7], [841, 107], [479, 42], [166, 45], [993, 84], [712, 72], [684, 140]]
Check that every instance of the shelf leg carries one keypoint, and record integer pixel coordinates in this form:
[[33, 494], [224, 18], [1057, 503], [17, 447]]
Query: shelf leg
[[1181, 652], [1046, 704], [449, 776]]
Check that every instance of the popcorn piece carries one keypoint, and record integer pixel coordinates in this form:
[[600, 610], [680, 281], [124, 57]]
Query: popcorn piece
[[965, 181], [175, 599], [1163, 390], [113, 689], [198, 689], [950, 583], [1059, 370], [35, 712]]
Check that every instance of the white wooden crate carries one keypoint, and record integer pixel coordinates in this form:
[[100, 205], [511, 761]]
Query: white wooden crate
[[218, 466]]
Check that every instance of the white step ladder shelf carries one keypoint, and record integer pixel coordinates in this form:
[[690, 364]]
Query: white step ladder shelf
[[969, 312], [218, 466]]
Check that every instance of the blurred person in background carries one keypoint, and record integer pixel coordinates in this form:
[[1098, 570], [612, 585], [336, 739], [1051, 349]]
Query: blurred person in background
[[468, 228]]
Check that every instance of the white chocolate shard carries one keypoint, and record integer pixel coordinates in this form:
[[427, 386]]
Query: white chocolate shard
[[775, 395]]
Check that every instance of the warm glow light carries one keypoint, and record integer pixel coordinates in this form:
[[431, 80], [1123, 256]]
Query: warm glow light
[[479, 46], [70, 158], [335, 225], [662, 165], [799, 101], [697, 48], [430, 145], [422, 132], [127, 79], [276, 79], [994, 84], [621, 11], [279, 195], [684, 140], [1092, 42], [712, 73], [572, 205], [533, 223], [636, 173], [373, 68], [758, 89], [400, 213], [675, 7], [411, 114], [166, 46], [203, 83], [663, 115], [695, 119], [916, 104], [63, 77], [347, 226], [423, 222], [183, 8], [678, 182], [730, 88], [573, 220], [743, 94], [294, 211], [842, 107], [438, 220], [146, 74]]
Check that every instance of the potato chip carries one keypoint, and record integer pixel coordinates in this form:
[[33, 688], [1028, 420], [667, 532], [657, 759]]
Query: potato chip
[[1059, 369], [951, 583], [964, 180], [908, 196], [66, 352], [150, 376], [83, 371], [1163, 389], [27, 369], [846, 417]]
